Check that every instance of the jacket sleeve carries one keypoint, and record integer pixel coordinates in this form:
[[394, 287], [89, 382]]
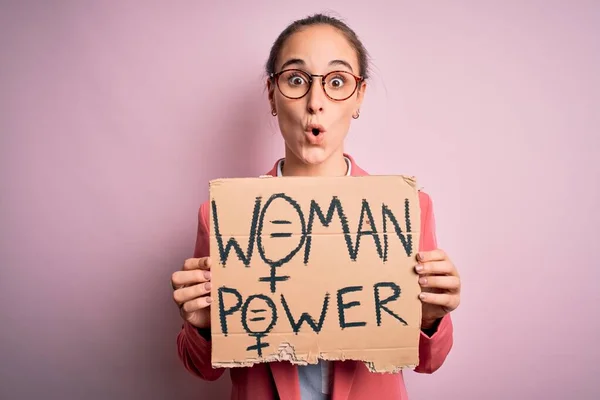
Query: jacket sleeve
[[193, 344], [434, 346]]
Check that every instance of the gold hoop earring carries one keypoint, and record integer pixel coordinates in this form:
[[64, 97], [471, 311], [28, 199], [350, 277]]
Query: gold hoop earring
[[355, 116], [274, 113]]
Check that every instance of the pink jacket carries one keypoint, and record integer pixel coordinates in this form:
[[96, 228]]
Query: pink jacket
[[351, 379]]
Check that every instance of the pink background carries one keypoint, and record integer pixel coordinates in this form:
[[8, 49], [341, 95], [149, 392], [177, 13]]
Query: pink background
[[114, 116]]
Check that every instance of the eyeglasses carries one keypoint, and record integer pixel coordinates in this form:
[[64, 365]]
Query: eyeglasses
[[337, 85]]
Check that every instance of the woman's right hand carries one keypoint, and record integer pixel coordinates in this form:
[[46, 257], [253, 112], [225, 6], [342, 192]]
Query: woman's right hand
[[191, 291]]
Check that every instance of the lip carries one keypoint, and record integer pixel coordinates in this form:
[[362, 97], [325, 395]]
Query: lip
[[312, 139]]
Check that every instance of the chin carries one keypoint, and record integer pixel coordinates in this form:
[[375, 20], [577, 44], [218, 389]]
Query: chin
[[314, 155]]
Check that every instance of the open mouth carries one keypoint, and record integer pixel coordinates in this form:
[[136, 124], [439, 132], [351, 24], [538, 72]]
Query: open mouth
[[315, 133], [315, 129]]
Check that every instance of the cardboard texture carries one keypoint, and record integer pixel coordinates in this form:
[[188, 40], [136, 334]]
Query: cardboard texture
[[307, 268]]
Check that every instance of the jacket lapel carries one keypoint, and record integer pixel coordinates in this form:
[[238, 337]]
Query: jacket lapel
[[286, 380], [356, 170], [343, 377]]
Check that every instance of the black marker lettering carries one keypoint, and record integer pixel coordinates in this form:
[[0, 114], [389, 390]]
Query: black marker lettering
[[306, 317], [259, 344], [406, 242], [281, 234], [380, 304], [271, 306], [366, 209], [273, 279], [305, 235], [281, 222], [260, 333], [232, 242], [342, 306], [224, 313], [334, 206], [274, 264]]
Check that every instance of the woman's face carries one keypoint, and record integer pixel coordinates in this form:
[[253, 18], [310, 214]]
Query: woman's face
[[314, 127]]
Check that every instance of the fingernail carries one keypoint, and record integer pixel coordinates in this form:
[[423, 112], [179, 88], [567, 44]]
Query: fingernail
[[419, 268], [419, 257], [207, 286], [209, 300], [423, 280], [207, 274], [422, 296]]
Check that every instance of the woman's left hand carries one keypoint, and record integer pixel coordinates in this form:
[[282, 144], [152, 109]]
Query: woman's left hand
[[440, 282]]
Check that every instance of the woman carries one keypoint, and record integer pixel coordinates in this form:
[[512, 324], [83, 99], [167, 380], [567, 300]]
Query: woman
[[317, 71]]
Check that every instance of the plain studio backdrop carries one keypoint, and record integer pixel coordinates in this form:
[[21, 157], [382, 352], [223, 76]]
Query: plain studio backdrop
[[115, 114]]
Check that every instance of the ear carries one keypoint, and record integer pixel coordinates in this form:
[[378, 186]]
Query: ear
[[271, 93], [362, 88]]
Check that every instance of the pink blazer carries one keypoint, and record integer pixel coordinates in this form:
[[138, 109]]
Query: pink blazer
[[351, 379]]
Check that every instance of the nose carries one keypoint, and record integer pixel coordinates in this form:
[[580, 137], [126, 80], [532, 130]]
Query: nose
[[316, 97]]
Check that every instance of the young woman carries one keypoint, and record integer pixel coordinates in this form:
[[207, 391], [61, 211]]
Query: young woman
[[317, 72]]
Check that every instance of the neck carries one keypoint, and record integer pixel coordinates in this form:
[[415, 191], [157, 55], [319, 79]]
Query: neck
[[335, 165]]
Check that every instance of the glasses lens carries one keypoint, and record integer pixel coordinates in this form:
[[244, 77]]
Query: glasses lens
[[294, 83], [340, 85]]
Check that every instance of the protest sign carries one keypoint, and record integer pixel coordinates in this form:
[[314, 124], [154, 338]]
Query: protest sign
[[308, 268]]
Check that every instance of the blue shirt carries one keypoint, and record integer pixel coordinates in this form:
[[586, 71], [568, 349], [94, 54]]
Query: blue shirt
[[314, 381]]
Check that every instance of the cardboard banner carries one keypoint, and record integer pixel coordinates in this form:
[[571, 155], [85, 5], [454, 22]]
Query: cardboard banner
[[307, 268]]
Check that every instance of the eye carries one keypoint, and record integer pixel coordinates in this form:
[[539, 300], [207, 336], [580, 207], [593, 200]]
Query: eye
[[296, 80], [337, 81]]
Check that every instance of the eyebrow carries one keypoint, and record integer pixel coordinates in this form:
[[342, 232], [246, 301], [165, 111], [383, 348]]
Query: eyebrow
[[301, 62]]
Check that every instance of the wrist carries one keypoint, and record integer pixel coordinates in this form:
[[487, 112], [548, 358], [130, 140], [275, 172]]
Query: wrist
[[430, 326]]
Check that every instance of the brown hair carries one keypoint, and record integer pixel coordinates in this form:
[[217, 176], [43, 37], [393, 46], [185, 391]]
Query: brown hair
[[320, 19]]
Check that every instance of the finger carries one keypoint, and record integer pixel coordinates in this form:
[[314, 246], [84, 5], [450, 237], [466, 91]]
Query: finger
[[433, 255], [182, 278], [196, 304], [189, 293], [440, 282], [197, 263], [436, 268], [448, 301]]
